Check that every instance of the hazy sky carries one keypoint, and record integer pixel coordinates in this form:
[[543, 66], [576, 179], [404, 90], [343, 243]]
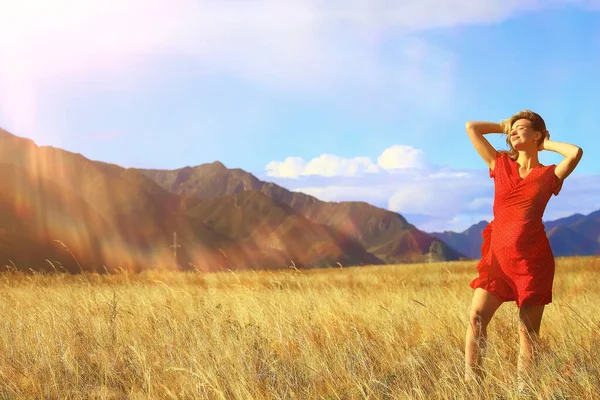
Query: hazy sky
[[344, 100]]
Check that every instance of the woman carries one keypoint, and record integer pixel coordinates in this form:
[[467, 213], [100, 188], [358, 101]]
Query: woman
[[517, 263]]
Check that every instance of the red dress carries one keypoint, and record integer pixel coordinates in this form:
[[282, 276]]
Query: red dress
[[517, 263]]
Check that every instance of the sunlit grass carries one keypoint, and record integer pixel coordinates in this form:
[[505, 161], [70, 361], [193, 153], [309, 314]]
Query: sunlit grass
[[384, 332]]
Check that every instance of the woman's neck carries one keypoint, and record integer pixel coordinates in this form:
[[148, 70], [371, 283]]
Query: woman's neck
[[527, 160]]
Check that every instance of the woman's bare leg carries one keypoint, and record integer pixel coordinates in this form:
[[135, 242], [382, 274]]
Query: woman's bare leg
[[529, 329], [483, 307]]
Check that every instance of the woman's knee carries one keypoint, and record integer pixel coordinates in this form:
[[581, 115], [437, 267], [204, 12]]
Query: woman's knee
[[478, 320]]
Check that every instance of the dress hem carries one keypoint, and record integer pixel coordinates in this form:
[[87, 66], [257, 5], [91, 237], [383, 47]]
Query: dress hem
[[532, 300]]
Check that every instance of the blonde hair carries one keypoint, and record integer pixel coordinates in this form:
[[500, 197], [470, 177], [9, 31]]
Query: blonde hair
[[537, 124]]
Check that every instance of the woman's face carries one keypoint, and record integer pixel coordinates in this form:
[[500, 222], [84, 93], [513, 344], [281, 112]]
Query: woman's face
[[522, 135]]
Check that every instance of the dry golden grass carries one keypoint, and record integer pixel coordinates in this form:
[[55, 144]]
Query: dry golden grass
[[386, 332]]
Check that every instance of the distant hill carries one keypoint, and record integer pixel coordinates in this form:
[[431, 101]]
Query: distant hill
[[467, 242], [576, 235], [385, 234], [109, 217], [35, 214], [253, 217], [134, 218]]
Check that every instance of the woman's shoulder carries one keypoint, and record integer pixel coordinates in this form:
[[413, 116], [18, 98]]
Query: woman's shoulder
[[503, 155], [500, 159], [503, 158]]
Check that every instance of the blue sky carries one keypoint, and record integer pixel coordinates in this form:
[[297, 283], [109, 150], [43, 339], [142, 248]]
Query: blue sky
[[353, 100]]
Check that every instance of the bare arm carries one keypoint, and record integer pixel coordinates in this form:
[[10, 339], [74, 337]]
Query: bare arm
[[572, 156], [476, 130]]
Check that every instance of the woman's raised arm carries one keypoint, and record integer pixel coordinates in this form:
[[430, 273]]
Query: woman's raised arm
[[476, 130], [571, 153]]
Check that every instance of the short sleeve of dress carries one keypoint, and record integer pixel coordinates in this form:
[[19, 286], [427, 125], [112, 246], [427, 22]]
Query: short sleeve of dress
[[556, 181], [498, 158]]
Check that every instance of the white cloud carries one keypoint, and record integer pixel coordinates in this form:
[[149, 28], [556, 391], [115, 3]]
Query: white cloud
[[324, 165], [392, 159], [296, 44], [448, 197], [290, 167], [413, 199], [401, 157], [331, 165]]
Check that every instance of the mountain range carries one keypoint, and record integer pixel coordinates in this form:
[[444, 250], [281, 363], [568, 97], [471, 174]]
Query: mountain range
[[576, 235], [61, 210]]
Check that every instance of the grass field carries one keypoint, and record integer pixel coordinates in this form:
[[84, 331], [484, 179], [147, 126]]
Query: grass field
[[385, 332]]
